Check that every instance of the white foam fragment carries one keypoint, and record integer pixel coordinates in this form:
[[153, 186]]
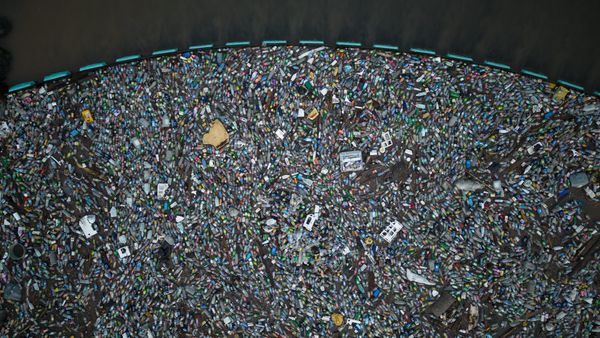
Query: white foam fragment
[[413, 277]]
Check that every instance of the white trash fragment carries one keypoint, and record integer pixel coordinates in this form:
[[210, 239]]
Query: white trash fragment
[[312, 218], [307, 53], [166, 122], [4, 129], [124, 252], [413, 277], [136, 143], [589, 192], [86, 225], [161, 189], [390, 232], [387, 141], [468, 185], [535, 148], [408, 155], [280, 133], [351, 161]]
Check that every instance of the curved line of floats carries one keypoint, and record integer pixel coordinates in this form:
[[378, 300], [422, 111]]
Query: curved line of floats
[[238, 44]]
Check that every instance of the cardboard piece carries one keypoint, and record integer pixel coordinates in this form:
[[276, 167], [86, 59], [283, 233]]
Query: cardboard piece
[[217, 136]]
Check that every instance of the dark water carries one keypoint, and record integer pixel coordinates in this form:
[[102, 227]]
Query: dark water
[[558, 38]]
